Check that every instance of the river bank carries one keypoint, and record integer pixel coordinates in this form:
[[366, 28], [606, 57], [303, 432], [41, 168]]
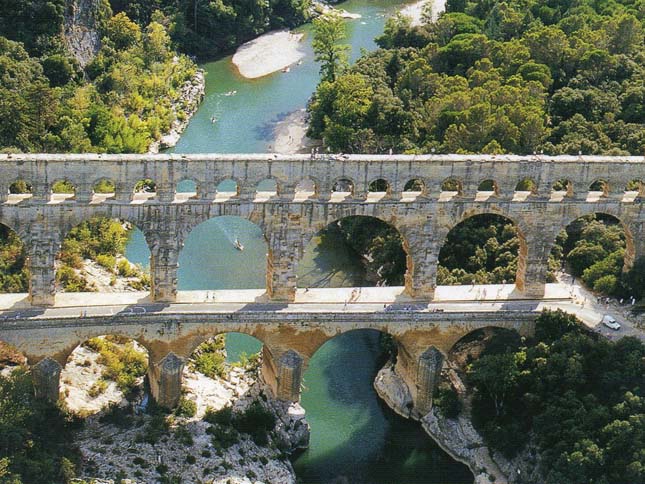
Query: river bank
[[184, 107]]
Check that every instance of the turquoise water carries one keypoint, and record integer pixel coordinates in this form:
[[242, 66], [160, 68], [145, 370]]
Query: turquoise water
[[354, 437]]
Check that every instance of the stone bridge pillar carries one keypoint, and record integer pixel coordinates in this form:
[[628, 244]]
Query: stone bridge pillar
[[419, 366], [422, 260], [282, 372], [286, 248], [164, 377], [46, 379], [43, 245], [533, 262], [164, 262]]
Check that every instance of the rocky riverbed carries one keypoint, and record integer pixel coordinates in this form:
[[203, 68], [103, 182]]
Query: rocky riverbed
[[132, 440]]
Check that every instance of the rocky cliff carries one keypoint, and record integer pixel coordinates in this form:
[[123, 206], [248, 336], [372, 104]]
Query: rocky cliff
[[82, 20]]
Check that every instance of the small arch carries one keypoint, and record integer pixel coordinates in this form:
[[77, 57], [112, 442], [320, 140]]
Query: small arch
[[527, 185], [561, 188], [186, 189], [343, 185], [104, 189], [488, 186], [267, 188], [306, 188], [102, 371], [146, 186], [228, 187], [599, 188], [451, 187], [416, 185], [62, 190], [20, 187], [633, 190], [379, 186]]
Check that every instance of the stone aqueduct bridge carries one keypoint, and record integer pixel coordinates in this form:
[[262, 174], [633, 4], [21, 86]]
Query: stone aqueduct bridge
[[289, 218]]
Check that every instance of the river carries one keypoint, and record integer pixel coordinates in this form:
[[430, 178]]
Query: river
[[355, 438]]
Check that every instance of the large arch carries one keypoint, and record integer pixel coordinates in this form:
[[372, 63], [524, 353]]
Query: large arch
[[210, 259], [95, 256], [354, 251], [485, 261], [587, 239]]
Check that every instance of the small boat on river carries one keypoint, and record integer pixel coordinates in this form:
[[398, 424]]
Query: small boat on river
[[238, 245]]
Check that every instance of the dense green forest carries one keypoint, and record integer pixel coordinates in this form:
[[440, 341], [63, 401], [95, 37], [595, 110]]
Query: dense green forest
[[577, 396], [495, 77], [119, 103], [208, 29]]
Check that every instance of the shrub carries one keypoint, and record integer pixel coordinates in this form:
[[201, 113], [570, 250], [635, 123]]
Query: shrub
[[447, 401], [98, 388], [210, 358], [186, 408], [125, 269], [255, 421], [106, 261], [223, 416]]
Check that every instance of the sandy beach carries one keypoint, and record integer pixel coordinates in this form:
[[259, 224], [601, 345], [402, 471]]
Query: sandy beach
[[291, 135], [269, 53], [415, 10]]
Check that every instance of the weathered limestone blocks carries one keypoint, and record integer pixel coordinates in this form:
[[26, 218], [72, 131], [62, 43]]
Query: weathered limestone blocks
[[289, 370], [394, 391], [165, 380], [428, 375], [46, 378]]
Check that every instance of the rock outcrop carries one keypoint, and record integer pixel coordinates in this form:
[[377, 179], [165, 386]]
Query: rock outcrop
[[81, 35]]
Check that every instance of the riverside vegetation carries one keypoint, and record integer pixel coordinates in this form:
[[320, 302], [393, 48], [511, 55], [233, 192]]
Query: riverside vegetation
[[576, 397]]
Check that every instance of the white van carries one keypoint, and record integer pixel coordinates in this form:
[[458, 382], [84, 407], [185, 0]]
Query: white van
[[610, 322]]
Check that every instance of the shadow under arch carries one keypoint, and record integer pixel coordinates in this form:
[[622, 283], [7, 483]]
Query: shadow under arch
[[355, 251], [117, 250], [481, 342], [355, 437], [483, 248], [597, 246], [10, 356], [210, 258], [104, 370]]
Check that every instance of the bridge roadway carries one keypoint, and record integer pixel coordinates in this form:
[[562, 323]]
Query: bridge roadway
[[290, 332]]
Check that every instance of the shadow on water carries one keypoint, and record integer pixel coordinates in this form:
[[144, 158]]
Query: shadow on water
[[330, 262], [266, 130], [355, 437]]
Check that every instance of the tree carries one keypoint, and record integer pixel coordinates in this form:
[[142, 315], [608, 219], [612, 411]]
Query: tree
[[329, 30], [495, 375]]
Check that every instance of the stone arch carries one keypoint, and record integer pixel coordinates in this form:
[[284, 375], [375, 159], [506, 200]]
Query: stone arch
[[112, 382], [62, 189], [228, 186], [69, 255], [194, 341], [269, 185], [308, 185], [104, 185], [379, 185], [527, 184], [453, 184], [521, 231], [214, 266], [563, 186], [600, 186], [145, 189], [472, 343], [20, 186], [317, 242], [488, 185], [10, 356], [415, 185], [189, 187], [343, 185], [635, 185]]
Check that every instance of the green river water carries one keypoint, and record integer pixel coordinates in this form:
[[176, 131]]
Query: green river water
[[355, 438]]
